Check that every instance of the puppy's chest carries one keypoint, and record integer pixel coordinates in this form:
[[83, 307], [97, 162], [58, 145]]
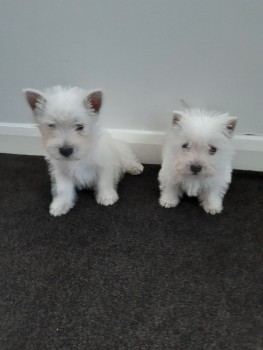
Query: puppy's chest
[[82, 174], [192, 187]]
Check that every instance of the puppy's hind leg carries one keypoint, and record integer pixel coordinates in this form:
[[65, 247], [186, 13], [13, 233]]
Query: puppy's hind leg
[[129, 161]]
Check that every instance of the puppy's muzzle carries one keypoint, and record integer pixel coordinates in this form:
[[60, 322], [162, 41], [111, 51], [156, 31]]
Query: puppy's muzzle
[[195, 168], [66, 151]]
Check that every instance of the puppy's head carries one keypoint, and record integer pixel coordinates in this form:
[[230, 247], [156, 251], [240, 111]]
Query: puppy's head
[[67, 119], [201, 142]]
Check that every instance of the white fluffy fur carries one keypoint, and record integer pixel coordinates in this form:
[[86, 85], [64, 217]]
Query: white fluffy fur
[[188, 144], [97, 160]]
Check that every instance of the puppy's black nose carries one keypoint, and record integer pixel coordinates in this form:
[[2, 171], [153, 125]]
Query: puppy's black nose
[[66, 151], [195, 169]]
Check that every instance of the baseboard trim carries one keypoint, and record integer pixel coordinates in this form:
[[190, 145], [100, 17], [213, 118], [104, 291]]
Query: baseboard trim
[[25, 139]]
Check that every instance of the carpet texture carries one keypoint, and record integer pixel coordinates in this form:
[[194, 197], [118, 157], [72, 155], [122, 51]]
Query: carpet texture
[[131, 276]]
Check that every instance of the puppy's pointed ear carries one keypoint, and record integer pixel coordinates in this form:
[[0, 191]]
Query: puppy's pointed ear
[[93, 101], [230, 125], [177, 117], [34, 98], [185, 104]]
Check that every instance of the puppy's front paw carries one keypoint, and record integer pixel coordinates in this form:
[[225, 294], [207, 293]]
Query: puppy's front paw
[[137, 169], [168, 201], [60, 206], [212, 209], [108, 197]]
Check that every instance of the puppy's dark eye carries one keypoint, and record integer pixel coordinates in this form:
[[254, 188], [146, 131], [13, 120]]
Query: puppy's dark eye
[[212, 150], [51, 126], [79, 127], [185, 146]]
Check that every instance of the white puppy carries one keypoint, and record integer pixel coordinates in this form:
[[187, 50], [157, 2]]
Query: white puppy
[[197, 158], [80, 153]]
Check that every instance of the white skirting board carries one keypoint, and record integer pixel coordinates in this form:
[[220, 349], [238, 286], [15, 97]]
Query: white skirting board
[[25, 139]]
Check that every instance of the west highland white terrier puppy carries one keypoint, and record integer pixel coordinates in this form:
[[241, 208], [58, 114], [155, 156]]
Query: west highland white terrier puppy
[[197, 158], [80, 153]]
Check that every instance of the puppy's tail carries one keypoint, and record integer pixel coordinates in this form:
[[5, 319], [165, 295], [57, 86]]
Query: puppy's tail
[[185, 104]]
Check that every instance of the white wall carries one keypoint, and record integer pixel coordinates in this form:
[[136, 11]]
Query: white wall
[[144, 54]]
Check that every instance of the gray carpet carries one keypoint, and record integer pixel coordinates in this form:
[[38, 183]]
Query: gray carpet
[[130, 276]]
